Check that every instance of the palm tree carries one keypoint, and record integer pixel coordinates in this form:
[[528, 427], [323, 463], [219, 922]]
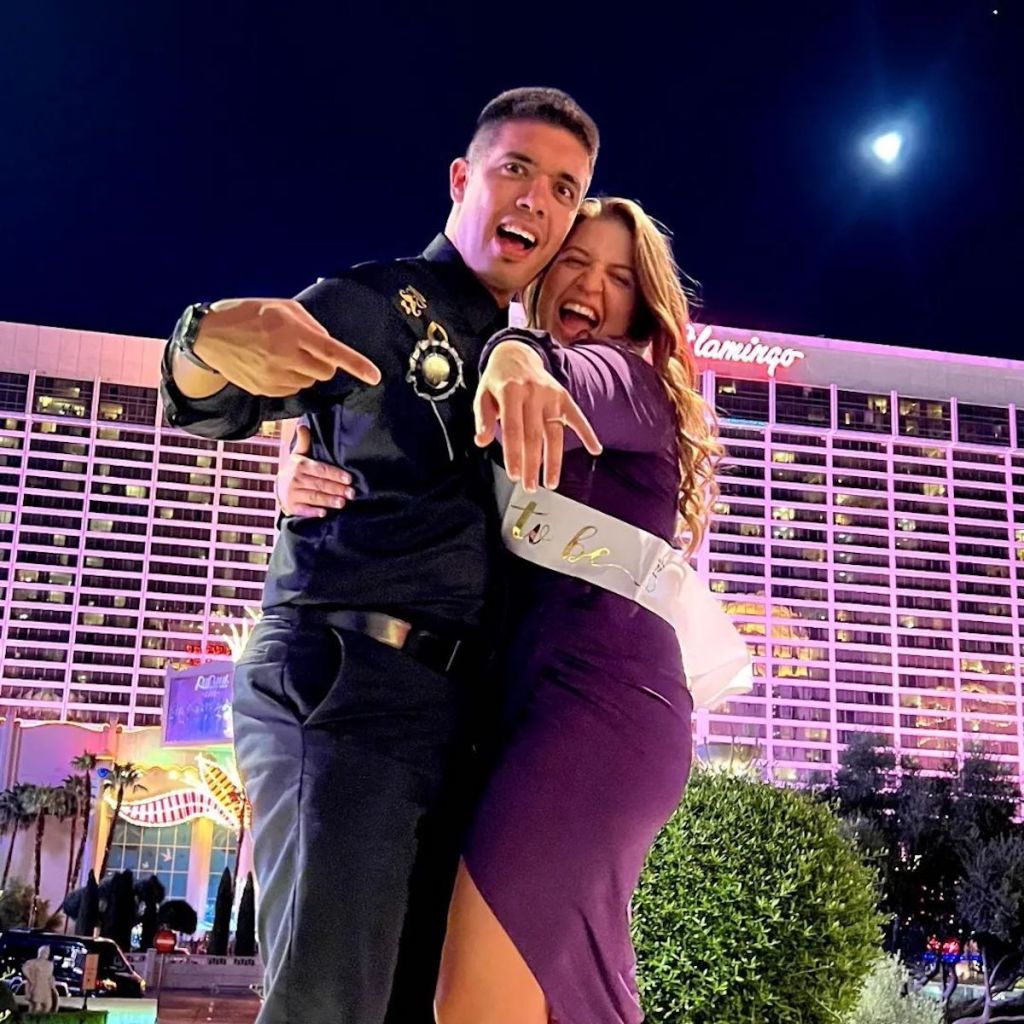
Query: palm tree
[[120, 777], [71, 807], [84, 764], [8, 814], [40, 802], [16, 816]]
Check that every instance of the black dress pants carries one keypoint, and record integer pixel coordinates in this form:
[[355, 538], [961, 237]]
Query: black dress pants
[[356, 760]]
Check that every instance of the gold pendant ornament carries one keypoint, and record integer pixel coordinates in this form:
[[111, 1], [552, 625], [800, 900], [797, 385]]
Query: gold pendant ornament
[[435, 366], [412, 301]]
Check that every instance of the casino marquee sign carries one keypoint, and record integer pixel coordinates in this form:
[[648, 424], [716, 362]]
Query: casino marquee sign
[[753, 351]]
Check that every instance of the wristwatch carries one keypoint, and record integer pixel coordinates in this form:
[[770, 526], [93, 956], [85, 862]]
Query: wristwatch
[[187, 330]]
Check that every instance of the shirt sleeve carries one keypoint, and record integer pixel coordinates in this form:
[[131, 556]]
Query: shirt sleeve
[[618, 391], [232, 414]]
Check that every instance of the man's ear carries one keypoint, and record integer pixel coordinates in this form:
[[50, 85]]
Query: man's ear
[[458, 178]]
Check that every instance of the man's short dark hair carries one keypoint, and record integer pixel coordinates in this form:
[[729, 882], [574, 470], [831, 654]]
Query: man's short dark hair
[[550, 106]]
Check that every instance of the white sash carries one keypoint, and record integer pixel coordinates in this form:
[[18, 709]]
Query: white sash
[[558, 533]]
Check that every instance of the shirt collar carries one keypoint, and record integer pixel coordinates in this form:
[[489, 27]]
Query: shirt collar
[[477, 304]]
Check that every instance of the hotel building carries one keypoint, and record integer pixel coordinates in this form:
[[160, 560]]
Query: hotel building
[[869, 542]]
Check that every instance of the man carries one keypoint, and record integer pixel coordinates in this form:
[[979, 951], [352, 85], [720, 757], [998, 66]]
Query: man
[[352, 698]]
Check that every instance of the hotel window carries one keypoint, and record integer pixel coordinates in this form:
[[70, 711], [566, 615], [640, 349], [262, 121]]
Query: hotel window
[[972, 494], [172, 476], [127, 404], [984, 476], [983, 550], [36, 613], [912, 452], [803, 406], [30, 674], [250, 466], [249, 594], [742, 399], [174, 607], [176, 439], [925, 469], [798, 476], [916, 542], [861, 501], [124, 453], [921, 508], [161, 850], [189, 515], [57, 396], [983, 424], [864, 540], [802, 693], [237, 483], [37, 636], [799, 458], [815, 440], [738, 471], [13, 391], [925, 417], [847, 736], [801, 497], [193, 497], [876, 598], [860, 411], [126, 436], [866, 483]]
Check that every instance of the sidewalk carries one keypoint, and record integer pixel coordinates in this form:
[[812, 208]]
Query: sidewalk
[[189, 1007]]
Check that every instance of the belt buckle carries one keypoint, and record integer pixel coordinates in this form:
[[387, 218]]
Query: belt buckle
[[393, 632]]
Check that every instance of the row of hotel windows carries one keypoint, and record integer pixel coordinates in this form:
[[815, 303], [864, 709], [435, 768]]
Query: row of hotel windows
[[56, 396], [794, 404], [800, 405]]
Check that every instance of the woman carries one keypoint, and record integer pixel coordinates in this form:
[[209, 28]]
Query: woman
[[595, 747]]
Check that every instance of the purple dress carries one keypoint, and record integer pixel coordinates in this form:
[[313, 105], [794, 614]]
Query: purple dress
[[596, 723]]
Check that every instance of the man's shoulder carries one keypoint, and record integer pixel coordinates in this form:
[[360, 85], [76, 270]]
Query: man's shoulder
[[382, 276]]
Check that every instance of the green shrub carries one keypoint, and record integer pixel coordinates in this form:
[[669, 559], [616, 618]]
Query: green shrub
[[753, 909], [882, 1000], [16, 906]]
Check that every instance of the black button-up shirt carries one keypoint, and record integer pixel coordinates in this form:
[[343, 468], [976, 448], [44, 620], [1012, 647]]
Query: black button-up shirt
[[417, 540]]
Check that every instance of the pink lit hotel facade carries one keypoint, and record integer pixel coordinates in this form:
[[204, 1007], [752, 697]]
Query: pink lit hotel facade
[[869, 540]]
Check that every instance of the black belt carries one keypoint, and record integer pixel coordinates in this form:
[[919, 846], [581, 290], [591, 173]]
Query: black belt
[[444, 654]]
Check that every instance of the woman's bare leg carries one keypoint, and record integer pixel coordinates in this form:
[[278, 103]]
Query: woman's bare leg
[[484, 978]]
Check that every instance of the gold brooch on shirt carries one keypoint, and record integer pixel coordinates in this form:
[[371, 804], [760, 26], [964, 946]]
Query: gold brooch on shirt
[[435, 367], [412, 301]]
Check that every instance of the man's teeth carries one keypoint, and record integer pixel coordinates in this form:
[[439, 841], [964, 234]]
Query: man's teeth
[[580, 310], [525, 235]]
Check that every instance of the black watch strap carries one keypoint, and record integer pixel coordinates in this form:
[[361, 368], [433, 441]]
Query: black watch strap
[[186, 332]]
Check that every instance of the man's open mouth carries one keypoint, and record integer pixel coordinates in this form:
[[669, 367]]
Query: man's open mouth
[[518, 237]]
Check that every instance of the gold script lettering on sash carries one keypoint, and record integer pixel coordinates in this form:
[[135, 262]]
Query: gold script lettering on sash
[[519, 525], [575, 551]]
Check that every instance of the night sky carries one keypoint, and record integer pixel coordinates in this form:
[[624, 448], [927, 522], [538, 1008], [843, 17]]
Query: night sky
[[153, 154]]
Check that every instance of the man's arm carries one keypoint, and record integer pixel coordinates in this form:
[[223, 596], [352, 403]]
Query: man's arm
[[264, 356], [273, 348]]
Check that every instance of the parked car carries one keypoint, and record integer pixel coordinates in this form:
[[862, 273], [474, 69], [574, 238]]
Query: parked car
[[115, 976]]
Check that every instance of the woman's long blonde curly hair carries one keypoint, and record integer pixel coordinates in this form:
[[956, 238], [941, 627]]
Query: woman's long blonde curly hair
[[661, 320]]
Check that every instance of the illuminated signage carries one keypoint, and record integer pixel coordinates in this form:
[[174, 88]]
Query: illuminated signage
[[753, 350], [197, 704]]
